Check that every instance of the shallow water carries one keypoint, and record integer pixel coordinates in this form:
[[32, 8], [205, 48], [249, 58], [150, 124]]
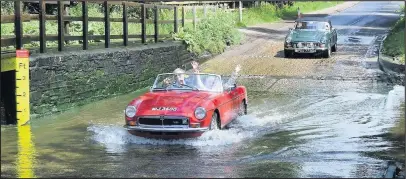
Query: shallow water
[[284, 135]]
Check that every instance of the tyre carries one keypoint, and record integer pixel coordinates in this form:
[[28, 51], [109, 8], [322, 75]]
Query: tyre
[[214, 123], [242, 109], [288, 53], [327, 53], [334, 48]]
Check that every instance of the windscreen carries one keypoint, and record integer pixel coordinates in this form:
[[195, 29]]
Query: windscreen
[[314, 25], [185, 81]]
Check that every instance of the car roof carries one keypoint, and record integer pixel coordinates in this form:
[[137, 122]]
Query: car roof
[[320, 19]]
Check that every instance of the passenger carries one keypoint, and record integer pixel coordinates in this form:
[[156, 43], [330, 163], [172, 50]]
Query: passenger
[[196, 81], [184, 82], [230, 82]]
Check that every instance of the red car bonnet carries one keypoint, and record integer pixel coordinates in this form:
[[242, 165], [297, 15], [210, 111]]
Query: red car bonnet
[[176, 102]]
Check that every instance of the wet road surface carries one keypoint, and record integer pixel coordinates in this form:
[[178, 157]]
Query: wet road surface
[[295, 127]]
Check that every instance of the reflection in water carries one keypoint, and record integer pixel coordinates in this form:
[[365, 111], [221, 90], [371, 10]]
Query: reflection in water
[[26, 152]]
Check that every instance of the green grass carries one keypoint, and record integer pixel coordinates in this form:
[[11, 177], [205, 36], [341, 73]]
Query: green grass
[[394, 44], [268, 13], [211, 34]]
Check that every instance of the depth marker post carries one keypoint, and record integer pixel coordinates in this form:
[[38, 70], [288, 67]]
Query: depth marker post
[[22, 69]]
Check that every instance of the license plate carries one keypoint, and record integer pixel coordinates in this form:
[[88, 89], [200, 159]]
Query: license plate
[[305, 50]]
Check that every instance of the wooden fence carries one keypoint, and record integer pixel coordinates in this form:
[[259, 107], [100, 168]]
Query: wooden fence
[[61, 37]]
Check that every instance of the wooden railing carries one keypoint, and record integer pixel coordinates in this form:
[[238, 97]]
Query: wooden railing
[[19, 39]]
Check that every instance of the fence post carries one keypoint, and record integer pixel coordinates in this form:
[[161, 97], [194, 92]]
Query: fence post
[[42, 38], [66, 23], [194, 17], [156, 18], [205, 10], [233, 6], [176, 19], [106, 24], [240, 10], [85, 25], [125, 24], [183, 16], [18, 25], [61, 28], [143, 24]]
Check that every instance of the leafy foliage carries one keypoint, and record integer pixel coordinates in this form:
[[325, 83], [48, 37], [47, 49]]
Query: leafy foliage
[[394, 44], [212, 34]]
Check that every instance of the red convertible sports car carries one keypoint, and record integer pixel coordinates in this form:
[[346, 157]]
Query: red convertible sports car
[[185, 105]]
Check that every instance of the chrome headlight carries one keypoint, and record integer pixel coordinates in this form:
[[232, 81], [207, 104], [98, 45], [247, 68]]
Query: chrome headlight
[[130, 111], [288, 39], [200, 113], [323, 40]]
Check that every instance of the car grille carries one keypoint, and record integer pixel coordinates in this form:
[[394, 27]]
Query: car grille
[[165, 121], [305, 44]]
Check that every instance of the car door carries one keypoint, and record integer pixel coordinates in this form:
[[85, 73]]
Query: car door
[[332, 35], [235, 101], [227, 107]]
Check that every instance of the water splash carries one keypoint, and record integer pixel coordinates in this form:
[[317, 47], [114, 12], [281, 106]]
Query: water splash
[[115, 137]]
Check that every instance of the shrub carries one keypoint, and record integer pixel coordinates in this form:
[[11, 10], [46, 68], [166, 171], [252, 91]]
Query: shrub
[[212, 33], [395, 41]]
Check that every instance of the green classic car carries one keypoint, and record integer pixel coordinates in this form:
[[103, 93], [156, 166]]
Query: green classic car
[[311, 35]]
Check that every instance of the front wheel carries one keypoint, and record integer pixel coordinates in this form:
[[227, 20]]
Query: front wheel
[[214, 123], [327, 53], [288, 53], [334, 48], [242, 109]]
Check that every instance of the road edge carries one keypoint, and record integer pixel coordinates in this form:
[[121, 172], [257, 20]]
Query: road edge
[[387, 66]]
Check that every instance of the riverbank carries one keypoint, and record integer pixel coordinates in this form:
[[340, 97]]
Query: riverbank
[[394, 44]]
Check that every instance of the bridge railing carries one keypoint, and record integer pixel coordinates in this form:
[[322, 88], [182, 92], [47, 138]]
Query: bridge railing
[[19, 39], [42, 37]]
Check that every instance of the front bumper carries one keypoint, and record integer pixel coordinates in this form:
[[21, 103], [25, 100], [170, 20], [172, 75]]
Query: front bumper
[[149, 128], [306, 50]]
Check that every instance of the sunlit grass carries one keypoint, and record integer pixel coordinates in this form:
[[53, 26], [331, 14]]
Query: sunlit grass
[[394, 44], [269, 13]]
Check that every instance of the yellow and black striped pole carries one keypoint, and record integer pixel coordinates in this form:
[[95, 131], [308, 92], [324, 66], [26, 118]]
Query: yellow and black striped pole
[[26, 149], [21, 66], [22, 86]]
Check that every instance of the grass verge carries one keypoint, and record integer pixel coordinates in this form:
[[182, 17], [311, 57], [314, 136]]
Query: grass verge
[[269, 13], [394, 44]]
